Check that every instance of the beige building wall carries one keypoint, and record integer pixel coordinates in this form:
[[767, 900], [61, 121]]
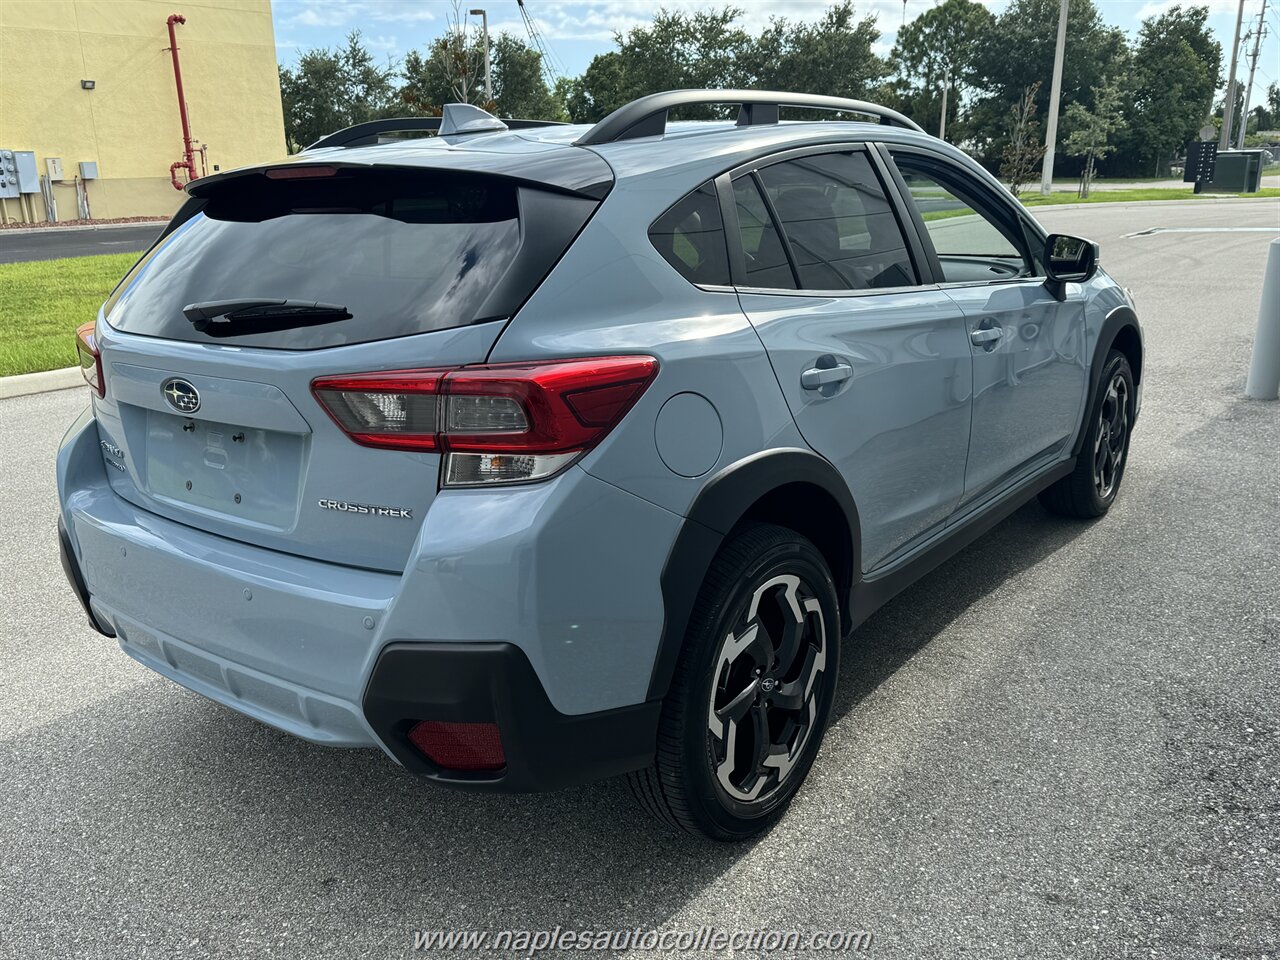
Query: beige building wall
[[129, 122]]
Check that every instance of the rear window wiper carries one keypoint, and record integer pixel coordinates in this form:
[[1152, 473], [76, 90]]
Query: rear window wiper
[[230, 318]]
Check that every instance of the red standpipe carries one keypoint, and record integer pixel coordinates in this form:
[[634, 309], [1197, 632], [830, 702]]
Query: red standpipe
[[188, 161]]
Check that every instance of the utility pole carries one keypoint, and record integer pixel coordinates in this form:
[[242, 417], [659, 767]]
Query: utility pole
[[1055, 94], [1253, 65], [488, 74], [946, 86], [1229, 103]]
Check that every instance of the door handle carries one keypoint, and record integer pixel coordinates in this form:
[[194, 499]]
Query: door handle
[[815, 378], [986, 335]]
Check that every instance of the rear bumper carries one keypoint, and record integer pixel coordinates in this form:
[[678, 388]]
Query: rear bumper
[[495, 683], [478, 627]]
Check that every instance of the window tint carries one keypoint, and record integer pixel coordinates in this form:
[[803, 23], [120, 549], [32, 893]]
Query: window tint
[[970, 244], [842, 230], [404, 252], [690, 236], [766, 260]]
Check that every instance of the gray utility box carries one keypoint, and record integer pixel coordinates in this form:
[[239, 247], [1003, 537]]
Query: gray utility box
[[28, 173], [1235, 171]]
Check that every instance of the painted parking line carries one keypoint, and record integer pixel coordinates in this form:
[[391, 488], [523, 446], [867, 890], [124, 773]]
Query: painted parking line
[[1151, 231]]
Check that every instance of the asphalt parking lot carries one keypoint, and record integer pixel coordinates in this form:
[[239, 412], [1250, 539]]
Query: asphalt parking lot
[[51, 244], [1065, 742]]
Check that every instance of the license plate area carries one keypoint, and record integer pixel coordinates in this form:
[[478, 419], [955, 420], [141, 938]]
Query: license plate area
[[222, 469]]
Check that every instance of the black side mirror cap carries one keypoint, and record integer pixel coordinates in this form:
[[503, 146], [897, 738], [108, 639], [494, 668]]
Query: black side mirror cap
[[1068, 259]]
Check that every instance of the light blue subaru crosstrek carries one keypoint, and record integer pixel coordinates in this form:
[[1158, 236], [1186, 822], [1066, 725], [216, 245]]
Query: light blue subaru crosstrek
[[534, 453]]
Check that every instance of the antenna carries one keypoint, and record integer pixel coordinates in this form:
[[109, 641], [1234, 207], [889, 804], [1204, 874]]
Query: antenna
[[549, 60]]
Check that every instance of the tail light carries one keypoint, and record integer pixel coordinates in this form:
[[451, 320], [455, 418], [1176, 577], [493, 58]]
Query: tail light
[[90, 359], [459, 746], [500, 423]]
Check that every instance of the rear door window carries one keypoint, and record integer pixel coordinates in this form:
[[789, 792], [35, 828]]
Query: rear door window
[[763, 254], [840, 226], [404, 252]]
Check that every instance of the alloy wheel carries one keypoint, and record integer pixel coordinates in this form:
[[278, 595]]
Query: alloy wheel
[[1112, 436], [765, 688]]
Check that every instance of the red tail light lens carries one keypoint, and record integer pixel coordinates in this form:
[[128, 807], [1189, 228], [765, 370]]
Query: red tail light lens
[[90, 360], [459, 746], [499, 423]]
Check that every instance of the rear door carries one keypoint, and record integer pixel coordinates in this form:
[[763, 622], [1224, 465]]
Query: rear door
[[874, 364], [211, 421], [1028, 347]]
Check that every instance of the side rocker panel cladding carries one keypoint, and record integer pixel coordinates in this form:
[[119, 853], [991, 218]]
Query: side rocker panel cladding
[[722, 502]]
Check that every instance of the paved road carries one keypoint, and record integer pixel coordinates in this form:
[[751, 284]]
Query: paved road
[[1063, 743], [52, 244]]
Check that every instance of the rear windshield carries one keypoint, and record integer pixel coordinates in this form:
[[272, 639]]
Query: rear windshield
[[404, 252]]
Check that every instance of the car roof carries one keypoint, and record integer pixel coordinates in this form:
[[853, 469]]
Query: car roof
[[687, 153]]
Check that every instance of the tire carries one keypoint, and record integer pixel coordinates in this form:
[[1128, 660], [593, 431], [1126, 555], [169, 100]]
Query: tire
[[1090, 489], [768, 597]]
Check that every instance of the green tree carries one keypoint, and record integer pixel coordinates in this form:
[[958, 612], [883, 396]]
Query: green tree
[[940, 47], [1094, 129], [1174, 70], [519, 89], [599, 91], [832, 56], [453, 72], [707, 48], [333, 88], [1019, 51]]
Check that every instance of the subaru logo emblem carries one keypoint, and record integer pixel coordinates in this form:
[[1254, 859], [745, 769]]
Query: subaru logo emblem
[[181, 395]]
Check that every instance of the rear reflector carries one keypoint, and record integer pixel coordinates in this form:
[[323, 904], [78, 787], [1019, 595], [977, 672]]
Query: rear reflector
[[90, 359], [459, 746], [496, 423]]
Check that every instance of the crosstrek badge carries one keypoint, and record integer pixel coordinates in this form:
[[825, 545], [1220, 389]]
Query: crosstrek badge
[[403, 513]]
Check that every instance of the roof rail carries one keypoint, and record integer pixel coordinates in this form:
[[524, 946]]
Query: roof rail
[[455, 122], [647, 116]]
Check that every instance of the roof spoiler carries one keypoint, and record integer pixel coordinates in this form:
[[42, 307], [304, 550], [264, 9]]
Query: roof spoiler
[[647, 116]]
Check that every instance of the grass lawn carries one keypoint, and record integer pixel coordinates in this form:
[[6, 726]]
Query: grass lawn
[[1034, 199], [42, 303]]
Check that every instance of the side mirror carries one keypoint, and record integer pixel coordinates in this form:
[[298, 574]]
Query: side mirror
[[1068, 259]]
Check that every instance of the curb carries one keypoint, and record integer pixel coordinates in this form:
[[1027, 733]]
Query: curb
[[1200, 202], [74, 227], [24, 384]]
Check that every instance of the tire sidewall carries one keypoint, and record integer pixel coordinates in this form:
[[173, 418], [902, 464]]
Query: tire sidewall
[[730, 817]]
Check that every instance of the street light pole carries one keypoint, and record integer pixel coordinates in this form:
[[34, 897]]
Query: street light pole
[[1253, 66], [1229, 103], [488, 74], [1055, 94], [946, 85]]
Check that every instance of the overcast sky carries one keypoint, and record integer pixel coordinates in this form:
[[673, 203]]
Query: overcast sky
[[576, 30]]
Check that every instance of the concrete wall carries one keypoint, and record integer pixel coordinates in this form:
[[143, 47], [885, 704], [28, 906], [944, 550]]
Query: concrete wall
[[129, 123]]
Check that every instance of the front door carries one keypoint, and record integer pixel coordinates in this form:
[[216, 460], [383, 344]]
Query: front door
[[875, 367], [1029, 361]]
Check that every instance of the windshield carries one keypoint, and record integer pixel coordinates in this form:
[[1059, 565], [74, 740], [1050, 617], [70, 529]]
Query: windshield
[[405, 253]]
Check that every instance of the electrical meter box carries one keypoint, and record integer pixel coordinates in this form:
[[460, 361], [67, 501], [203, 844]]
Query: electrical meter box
[[88, 169], [8, 175], [28, 174], [53, 167]]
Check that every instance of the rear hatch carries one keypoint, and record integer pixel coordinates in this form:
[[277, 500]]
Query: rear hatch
[[269, 279]]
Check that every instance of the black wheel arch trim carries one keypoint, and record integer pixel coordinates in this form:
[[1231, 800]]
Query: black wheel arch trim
[[721, 503], [1117, 320]]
